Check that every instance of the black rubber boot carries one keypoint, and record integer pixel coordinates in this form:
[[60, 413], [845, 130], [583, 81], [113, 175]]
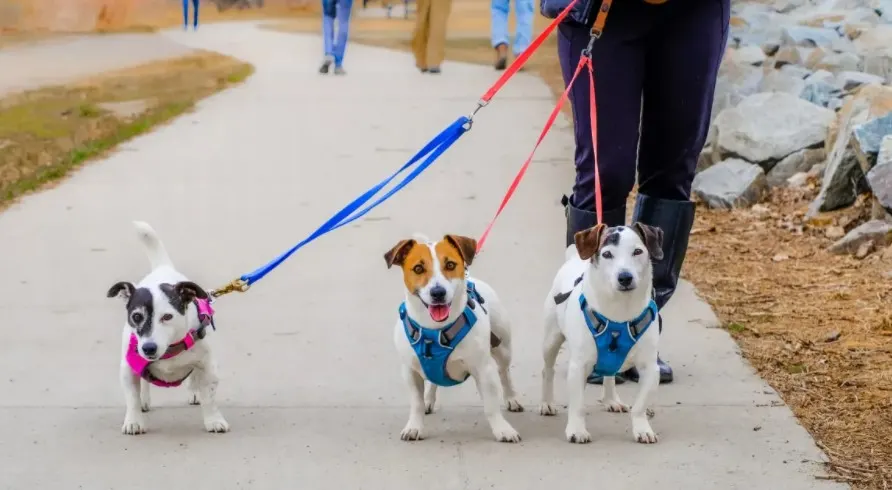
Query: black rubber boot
[[675, 218], [578, 220]]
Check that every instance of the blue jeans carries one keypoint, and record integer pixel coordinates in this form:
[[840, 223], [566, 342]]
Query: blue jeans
[[336, 10], [186, 13], [523, 13]]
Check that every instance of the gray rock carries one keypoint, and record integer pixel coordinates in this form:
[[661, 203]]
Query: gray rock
[[764, 128], [761, 27], [729, 184], [877, 231], [735, 82], [776, 81], [867, 138], [750, 55], [875, 46], [821, 89], [879, 179], [851, 80], [800, 162], [798, 181], [840, 62], [795, 71], [810, 36]]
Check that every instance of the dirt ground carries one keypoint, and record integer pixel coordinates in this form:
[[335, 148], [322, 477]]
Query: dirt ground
[[817, 326], [46, 133]]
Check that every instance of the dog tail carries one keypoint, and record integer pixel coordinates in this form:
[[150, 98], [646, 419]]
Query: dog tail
[[154, 248]]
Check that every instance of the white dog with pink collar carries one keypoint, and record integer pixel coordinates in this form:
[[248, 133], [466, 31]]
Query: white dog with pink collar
[[164, 341]]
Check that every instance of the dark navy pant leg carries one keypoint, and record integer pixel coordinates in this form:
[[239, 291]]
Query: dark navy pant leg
[[683, 56], [618, 59]]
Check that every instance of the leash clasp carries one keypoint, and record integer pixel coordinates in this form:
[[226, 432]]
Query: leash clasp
[[233, 286], [480, 105]]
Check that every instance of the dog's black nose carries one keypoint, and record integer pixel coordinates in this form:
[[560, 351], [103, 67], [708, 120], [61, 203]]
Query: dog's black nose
[[624, 279], [438, 293], [150, 349]]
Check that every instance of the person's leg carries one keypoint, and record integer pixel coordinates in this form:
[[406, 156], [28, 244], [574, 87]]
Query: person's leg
[[436, 45], [421, 34], [185, 14], [329, 12], [683, 57], [618, 59], [498, 10], [195, 14], [344, 10], [523, 13]]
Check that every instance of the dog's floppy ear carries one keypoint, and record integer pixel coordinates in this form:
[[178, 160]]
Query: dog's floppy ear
[[589, 241], [188, 290], [397, 254], [123, 289], [652, 237], [467, 247]]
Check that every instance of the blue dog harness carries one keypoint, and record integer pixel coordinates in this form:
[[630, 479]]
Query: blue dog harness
[[613, 339], [434, 346]]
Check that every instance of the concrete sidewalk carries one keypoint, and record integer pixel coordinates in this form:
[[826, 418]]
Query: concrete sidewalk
[[310, 380], [69, 58]]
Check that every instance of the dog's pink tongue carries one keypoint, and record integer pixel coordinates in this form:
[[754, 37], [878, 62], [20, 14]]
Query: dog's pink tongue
[[439, 312]]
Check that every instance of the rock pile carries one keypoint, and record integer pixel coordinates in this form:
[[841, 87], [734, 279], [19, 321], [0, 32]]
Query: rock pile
[[804, 94]]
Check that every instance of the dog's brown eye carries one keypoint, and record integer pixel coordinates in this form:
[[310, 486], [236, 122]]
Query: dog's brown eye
[[607, 255], [166, 317], [418, 269], [450, 265], [136, 318], [637, 251]]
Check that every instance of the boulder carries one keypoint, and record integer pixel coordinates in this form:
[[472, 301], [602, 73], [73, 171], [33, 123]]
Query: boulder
[[749, 55], [735, 82], [787, 55], [867, 138], [796, 35], [839, 184], [873, 100], [878, 232], [851, 80], [729, 184], [879, 179], [875, 46], [777, 81], [821, 88], [837, 62], [765, 128], [799, 162]]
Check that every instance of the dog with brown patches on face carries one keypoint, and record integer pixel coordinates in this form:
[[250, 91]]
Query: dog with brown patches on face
[[164, 338], [451, 327], [601, 303]]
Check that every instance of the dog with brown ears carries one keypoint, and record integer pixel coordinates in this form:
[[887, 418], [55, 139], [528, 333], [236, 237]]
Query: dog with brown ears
[[601, 303], [451, 327]]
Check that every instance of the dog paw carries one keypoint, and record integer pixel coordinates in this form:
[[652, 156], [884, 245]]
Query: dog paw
[[193, 399], [133, 426], [615, 406], [216, 424], [412, 433], [578, 435], [644, 434], [507, 434], [547, 409], [514, 405]]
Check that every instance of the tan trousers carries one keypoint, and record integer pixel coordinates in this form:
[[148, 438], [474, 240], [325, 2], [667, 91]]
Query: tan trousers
[[429, 38]]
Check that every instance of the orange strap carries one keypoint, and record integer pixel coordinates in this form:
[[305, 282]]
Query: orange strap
[[601, 18]]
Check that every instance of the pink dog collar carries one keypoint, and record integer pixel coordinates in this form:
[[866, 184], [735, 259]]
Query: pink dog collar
[[140, 365]]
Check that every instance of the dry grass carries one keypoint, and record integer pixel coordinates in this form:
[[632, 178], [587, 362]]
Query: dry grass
[[817, 326], [46, 133]]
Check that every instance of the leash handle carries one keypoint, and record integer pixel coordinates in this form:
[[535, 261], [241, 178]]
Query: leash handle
[[523, 169]]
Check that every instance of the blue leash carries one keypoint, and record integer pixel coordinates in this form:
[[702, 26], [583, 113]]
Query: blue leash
[[432, 151]]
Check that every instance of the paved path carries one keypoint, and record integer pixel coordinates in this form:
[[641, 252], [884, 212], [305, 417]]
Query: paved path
[[310, 378], [65, 59]]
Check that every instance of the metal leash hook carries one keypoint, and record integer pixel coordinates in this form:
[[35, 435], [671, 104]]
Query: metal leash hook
[[480, 105], [233, 286]]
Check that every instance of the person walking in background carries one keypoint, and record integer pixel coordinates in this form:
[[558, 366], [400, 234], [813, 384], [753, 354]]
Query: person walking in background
[[523, 15], [194, 14], [334, 38], [655, 74], [429, 38]]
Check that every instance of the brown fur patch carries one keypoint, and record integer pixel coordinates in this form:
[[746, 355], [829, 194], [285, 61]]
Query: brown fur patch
[[417, 267], [588, 242], [452, 261]]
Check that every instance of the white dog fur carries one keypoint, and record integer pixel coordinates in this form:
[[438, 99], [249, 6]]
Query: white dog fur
[[161, 323], [600, 265], [488, 366]]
